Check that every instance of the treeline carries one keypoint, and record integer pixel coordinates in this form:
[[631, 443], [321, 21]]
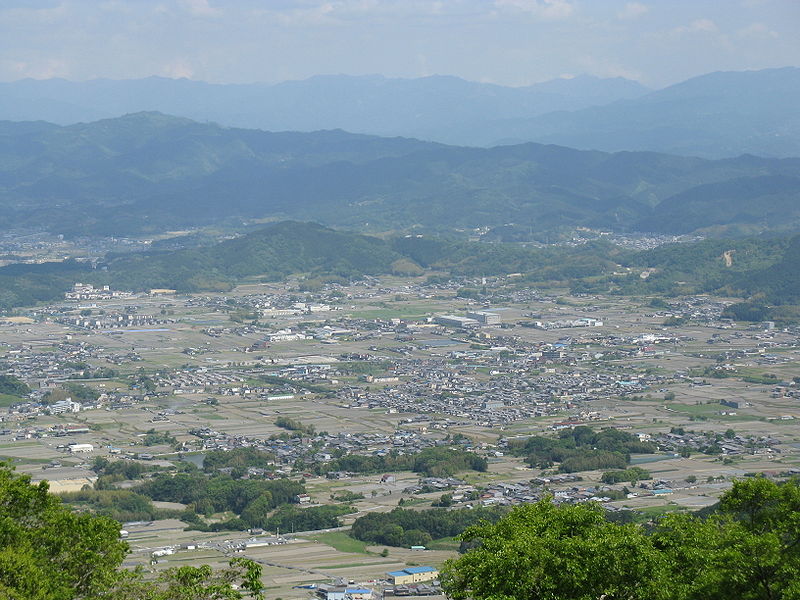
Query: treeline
[[110, 472], [249, 499], [292, 518], [403, 527], [472, 259], [581, 449], [294, 425], [13, 386], [238, 459], [77, 391], [633, 474], [120, 505], [431, 462]]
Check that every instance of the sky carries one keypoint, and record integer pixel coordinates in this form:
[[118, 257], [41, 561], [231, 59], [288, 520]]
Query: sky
[[508, 42]]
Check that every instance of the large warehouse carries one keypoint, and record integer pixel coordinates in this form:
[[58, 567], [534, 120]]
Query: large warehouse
[[412, 575]]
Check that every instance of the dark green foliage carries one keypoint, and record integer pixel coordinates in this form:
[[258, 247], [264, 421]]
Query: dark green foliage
[[155, 438], [238, 457], [747, 311], [121, 469], [294, 425], [13, 386], [347, 496], [149, 172], [28, 284], [581, 449], [219, 493], [120, 505], [748, 549], [631, 474], [432, 462], [762, 268], [293, 518], [47, 552], [403, 527], [80, 392]]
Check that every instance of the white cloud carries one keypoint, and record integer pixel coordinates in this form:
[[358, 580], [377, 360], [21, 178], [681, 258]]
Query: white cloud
[[758, 31], [697, 26], [548, 10], [177, 69], [200, 8], [330, 12], [633, 10], [593, 65], [38, 69], [34, 16]]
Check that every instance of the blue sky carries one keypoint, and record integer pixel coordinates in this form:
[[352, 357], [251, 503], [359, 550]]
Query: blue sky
[[510, 42]]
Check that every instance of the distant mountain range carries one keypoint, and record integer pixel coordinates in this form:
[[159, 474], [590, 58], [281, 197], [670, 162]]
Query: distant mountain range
[[715, 115], [152, 172], [429, 108]]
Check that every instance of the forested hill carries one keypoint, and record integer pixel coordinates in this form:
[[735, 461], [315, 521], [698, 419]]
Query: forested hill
[[272, 253], [150, 172], [763, 270]]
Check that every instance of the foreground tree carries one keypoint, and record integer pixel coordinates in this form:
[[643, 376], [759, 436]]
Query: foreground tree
[[749, 549], [546, 552], [48, 552]]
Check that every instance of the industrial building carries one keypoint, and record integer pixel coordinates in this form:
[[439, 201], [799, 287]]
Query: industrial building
[[81, 448], [331, 592], [456, 321], [485, 317], [412, 575]]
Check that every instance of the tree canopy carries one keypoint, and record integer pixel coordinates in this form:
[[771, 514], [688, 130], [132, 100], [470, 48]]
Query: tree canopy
[[49, 552], [748, 549]]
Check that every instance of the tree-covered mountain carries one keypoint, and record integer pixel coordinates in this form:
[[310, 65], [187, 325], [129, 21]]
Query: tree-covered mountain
[[760, 270], [717, 115], [437, 107], [151, 172], [286, 248]]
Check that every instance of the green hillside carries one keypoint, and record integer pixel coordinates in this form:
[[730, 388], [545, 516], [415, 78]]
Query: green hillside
[[149, 172]]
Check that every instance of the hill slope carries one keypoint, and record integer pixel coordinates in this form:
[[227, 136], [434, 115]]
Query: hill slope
[[152, 172]]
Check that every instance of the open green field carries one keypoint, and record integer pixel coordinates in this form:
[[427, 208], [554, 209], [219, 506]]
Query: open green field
[[341, 541], [7, 400]]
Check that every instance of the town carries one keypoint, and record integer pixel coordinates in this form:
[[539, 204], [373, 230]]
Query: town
[[346, 389]]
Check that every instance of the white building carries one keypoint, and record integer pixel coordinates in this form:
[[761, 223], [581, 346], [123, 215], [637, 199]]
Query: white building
[[64, 406], [75, 448]]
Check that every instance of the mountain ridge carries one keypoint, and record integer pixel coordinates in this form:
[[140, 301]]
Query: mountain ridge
[[716, 115], [149, 172]]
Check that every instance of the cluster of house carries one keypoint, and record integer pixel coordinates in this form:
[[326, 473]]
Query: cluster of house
[[713, 443], [86, 291], [320, 448], [114, 320], [436, 386]]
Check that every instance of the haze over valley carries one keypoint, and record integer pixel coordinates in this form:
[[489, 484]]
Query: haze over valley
[[346, 300]]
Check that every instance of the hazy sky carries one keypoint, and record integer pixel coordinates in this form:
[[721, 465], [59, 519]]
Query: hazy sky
[[511, 42]]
